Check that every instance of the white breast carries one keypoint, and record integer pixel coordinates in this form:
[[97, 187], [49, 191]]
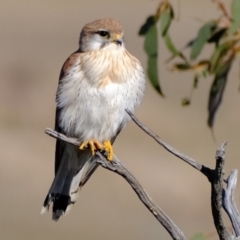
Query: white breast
[[94, 96]]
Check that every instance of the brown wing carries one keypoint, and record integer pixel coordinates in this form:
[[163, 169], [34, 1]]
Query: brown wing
[[60, 145]]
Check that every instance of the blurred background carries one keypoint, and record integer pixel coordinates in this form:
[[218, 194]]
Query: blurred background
[[35, 39]]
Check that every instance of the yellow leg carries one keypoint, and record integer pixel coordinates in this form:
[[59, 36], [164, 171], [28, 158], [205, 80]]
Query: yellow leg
[[107, 146]]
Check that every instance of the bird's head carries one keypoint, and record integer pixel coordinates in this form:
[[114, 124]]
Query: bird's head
[[104, 33]]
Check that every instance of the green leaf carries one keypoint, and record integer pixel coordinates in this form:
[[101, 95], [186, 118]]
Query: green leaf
[[151, 42], [217, 90], [152, 71], [203, 35], [235, 10], [147, 25], [221, 52], [151, 48], [165, 20], [218, 53], [170, 45]]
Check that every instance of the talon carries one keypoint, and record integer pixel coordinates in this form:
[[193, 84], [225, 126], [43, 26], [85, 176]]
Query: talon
[[98, 145], [83, 145], [107, 146], [92, 144], [92, 147]]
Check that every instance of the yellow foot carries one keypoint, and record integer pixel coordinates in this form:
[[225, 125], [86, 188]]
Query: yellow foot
[[93, 145], [107, 146]]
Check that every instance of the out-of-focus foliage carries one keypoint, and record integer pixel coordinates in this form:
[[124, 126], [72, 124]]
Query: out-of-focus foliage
[[151, 48], [149, 30], [199, 236], [223, 33], [203, 236]]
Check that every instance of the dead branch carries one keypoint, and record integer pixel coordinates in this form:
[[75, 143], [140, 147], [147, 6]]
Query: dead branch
[[219, 195], [216, 193], [215, 177], [116, 166]]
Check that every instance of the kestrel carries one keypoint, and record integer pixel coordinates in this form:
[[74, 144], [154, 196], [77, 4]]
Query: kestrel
[[97, 83]]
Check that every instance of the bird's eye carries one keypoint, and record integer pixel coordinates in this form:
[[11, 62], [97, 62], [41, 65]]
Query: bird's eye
[[104, 34]]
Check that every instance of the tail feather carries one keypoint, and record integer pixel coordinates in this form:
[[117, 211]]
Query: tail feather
[[60, 206], [75, 169]]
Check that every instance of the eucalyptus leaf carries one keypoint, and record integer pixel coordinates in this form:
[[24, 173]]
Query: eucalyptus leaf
[[219, 51], [170, 45], [151, 41], [217, 90], [203, 35], [165, 21], [150, 21], [151, 48], [152, 71], [235, 10]]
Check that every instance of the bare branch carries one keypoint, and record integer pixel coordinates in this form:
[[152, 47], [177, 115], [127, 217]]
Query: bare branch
[[228, 201], [116, 166], [205, 170], [215, 176]]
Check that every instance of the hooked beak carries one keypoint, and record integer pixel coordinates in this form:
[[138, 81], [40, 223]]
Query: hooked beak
[[117, 38]]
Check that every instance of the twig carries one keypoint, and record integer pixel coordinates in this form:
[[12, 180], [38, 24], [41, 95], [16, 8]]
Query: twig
[[214, 176], [223, 8], [205, 170], [229, 203], [116, 166]]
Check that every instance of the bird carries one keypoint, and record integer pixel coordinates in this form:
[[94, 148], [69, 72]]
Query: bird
[[97, 83]]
